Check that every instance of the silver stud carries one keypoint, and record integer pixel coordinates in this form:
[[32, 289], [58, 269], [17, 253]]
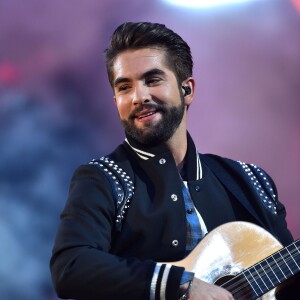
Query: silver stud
[[175, 243], [162, 161], [174, 197]]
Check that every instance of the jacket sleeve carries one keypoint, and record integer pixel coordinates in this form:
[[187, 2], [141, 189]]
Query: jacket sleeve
[[272, 210], [280, 224], [81, 264]]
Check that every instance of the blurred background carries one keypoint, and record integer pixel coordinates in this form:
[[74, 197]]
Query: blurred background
[[57, 111]]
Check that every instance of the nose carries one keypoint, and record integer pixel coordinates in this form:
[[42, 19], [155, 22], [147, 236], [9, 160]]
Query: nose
[[141, 95]]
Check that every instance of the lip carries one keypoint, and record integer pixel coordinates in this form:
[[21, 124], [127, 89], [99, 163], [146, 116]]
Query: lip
[[146, 115]]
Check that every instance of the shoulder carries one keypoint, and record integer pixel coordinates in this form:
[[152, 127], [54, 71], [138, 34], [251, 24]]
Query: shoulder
[[96, 172], [218, 158], [247, 168], [116, 168], [99, 164], [247, 176]]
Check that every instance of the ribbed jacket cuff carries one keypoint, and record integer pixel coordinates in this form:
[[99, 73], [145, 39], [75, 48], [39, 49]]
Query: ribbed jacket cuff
[[165, 282]]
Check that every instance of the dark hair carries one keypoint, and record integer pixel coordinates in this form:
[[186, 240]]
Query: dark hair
[[147, 35]]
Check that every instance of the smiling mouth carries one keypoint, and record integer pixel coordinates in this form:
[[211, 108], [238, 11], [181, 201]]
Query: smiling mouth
[[146, 115]]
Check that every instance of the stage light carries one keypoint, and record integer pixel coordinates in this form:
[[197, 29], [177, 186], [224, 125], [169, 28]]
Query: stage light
[[205, 3]]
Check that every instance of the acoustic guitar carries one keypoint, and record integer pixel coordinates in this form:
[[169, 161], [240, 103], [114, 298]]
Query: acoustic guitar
[[244, 259]]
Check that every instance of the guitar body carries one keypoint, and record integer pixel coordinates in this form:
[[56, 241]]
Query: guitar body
[[228, 250]]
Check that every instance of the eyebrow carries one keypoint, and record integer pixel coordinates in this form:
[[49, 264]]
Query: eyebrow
[[149, 73], [153, 72], [121, 80]]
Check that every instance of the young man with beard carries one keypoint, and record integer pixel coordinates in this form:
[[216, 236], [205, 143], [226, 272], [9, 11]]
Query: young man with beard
[[153, 199]]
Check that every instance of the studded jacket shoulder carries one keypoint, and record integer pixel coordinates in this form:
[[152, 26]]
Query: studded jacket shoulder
[[121, 183]]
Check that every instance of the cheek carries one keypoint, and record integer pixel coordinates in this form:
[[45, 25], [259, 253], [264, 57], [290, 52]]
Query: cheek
[[162, 93], [170, 94], [123, 107]]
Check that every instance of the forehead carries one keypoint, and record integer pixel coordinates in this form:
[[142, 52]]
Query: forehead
[[132, 63]]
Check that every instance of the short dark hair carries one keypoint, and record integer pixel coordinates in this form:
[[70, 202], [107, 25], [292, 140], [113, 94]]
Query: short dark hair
[[133, 36]]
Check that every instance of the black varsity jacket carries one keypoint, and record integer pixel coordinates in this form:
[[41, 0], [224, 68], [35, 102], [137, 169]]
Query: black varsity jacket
[[106, 249]]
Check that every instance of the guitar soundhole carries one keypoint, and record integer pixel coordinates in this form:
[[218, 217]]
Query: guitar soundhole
[[238, 286]]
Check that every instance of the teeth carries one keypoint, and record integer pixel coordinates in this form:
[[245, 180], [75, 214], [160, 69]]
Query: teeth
[[146, 115]]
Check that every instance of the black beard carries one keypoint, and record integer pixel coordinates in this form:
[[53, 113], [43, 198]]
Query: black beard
[[161, 132]]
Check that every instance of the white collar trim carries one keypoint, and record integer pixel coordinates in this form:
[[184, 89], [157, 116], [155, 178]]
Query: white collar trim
[[142, 154], [199, 167], [146, 155]]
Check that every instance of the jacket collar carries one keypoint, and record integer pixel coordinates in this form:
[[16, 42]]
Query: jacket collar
[[192, 166]]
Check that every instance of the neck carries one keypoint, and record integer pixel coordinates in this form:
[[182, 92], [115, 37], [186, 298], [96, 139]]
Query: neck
[[178, 146]]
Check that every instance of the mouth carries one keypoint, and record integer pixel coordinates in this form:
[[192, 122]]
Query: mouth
[[145, 114]]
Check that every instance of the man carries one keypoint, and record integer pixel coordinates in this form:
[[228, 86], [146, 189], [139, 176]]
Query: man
[[154, 198]]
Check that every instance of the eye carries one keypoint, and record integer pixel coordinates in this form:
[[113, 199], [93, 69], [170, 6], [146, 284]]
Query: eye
[[123, 87], [152, 81]]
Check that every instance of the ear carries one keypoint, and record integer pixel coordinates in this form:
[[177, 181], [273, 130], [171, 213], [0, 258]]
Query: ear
[[189, 82], [115, 100]]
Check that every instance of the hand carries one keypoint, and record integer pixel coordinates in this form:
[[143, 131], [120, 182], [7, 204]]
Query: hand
[[202, 290]]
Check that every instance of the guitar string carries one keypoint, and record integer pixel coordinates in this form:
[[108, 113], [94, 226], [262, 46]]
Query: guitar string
[[238, 290], [250, 281], [273, 263], [283, 262]]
